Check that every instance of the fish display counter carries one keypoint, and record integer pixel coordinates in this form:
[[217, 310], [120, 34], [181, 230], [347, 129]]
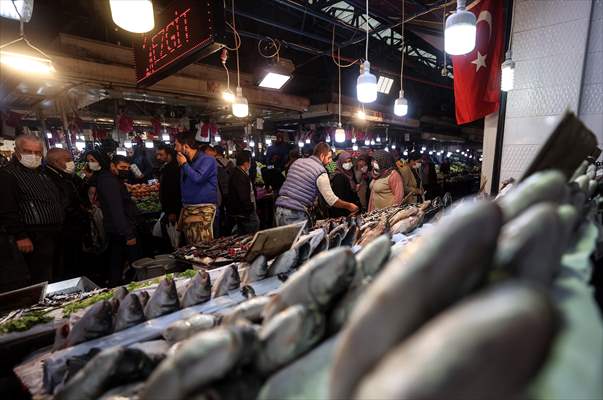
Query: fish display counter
[[477, 300]]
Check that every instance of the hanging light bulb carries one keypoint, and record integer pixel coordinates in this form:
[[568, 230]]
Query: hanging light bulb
[[353, 139], [355, 147], [240, 107], [308, 141], [49, 135], [328, 139], [508, 73], [378, 139], [393, 146], [253, 154], [333, 149], [367, 142], [372, 142], [339, 134], [423, 148], [268, 142], [149, 144], [360, 114], [366, 85], [217, 138], [405, 153], [133, 15], [228, 96], [386, 148], [251, 143], [128, 144], [459, 36], [165, 137], [300, 144], [401, 105], [80, 145]]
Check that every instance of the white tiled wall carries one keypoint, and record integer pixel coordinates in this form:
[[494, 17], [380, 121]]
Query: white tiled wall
[[549, 47], [591, 99]]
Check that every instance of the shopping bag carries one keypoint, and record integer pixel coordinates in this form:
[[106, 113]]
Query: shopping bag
[[157, 227], [174, 235]]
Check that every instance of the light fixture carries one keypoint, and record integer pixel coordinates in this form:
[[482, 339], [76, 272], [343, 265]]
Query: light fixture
[[378, 139], [386, 148], [251, 143], [353, 139], [268, 142], [458, 151], [273, 80], [26, 63], [423, 148], [217, 138], [360, 114], [240, 107], [508, 73], [366, 85], [49, 135], [59, 145], [367, 142], [430, 152], [308, 141], [17, 9], [128, 144], [339, 134], [333, 149], [460, 32], [355, 147], [405, 153], [165, 137], [133, 15], [393, 146], [149, 144], [401, 104], [80, 145], [228, 95], [253, 154], [121, 152], [372, 142], [300, 144], [422, 151], [328, 139]]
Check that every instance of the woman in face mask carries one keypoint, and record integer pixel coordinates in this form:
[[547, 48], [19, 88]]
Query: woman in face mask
[[411, 177], [96, 161], [344, 184], [386, 187], [362, 176]]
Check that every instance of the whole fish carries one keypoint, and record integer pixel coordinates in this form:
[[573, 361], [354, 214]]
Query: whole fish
[[317, 283], [284, 263], [129, 313], [345, 305], [315, 237], [202, 359], [373, 233], [235, 386], [337, 235], [197, 290], [545, 186], [409, 224], [164, 300], [108, 369], [530, 246], [323, 245], [288, 335], [371, 258], [403, 214], [58, 373], [350, 236], [156, 350], [228, 280], [185, 328], [144, 297], [96, 322], [250, 310], [255, 271], [304, 248], [568, 215], [120, 293], [427, 276], [487, 347]]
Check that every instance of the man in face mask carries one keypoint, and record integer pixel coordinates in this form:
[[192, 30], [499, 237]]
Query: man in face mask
[[31, 216], [60, 168], [119, 216]]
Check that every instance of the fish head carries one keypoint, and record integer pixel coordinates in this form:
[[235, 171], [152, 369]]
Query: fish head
[[132, 304], [101, 317], [332, 273], [203, 279]]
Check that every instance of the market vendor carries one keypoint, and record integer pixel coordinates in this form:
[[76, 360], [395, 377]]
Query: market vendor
[[169, 183], [307, 178], [119, 216], [199, 188]]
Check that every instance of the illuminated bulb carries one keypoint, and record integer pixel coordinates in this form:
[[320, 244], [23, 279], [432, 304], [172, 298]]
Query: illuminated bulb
[[165, 137], [217, 138], [80, 145], [300, 144], [372, 142], [133, 15], [448, 154], [460, 32], [366, 85], [354, 139], [121, 152], [339, 134], [328, 139], [252, 143], [360, 114], [423, 148], [228, 96], [17, 9], [355, 147], [422, 151], [308, 141], [49, 135], [401, 105], [367, 142], [430, 152], [268, 142], [128, 144], [508, 73], [333, 149], [240, 107], [378, 139], [405, 153], [458, 151], [253, 154], [393, 146], [58, 145], [25, 63], [386, 148], [148, 144]]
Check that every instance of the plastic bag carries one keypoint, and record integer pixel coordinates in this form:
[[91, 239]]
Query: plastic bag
[[174, 235], [157, 227]]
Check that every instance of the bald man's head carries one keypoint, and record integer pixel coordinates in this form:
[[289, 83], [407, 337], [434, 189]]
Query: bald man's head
[[58, 158]]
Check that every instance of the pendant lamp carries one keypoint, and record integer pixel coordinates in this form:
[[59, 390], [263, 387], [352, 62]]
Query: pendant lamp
[[366, 85], [460, 32]]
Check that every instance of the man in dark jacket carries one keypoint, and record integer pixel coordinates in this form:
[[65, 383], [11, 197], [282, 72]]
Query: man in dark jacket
[[241, 205], [119, 216], [60, 168], [169, 183], [30, 218]]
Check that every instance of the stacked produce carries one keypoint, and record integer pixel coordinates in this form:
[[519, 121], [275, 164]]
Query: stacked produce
[[146, 196]]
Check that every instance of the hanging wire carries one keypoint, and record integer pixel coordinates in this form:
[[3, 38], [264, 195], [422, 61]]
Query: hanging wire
[[277, 48], [22, 35], [227, 75], [339, 74], [512, 26], [443, 30], [367, 32], [338, 56], [234, 29], [403, 47]]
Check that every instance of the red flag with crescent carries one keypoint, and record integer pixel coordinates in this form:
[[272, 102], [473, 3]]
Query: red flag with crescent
[[477, 74]]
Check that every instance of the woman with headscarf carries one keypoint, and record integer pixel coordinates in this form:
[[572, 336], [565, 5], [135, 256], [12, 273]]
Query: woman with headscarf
[[387, 188], [344, 184]]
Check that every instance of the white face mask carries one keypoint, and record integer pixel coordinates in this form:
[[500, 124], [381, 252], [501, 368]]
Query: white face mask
[[364, 169], [418, 165], [69, 167], [347, 166], [31, 160], [94, 166], [375, 166]]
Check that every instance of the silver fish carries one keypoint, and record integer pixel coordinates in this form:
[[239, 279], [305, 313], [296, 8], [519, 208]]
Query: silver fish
[[256, 271], [96, 322], [248, 291], [350, 236], [186, 328], [403, 214], [409, 224], [284, 263], [197, 290], [204, 358], [164, 300], [108, 369], [371, 259], [144, 297], [156, 350], [317, 283], [425, 278], [343, 308], [372, 233], [250, 310], [120, 293], [288, 335], [228, 280], [337, 235], [304, 247], [129, 313], [487, 347]]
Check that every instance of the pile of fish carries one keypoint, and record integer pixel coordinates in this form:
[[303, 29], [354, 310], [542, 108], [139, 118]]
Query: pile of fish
[[221, 251]]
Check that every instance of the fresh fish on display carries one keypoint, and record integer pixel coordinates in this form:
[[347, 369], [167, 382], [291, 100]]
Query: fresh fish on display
[[316, 237], [156, 350], [228, 280], [317, 283], [255, 271], [409, 224], [323, 245], [568, 215], [288, 335], [197, 290], [403, 214], [487, 347], [530, 246], [304, 248], [351, 235], [120, 293], [250, 310], [144, 297], [284, 263], [431, 273], [235, 386], [108, 369], [581, 170], [186, 328], [371, 259], [164, 300], [202, 359], [546, 186], [336, 235], [372, 233], [96, 322], [57, 374], [129, 313]]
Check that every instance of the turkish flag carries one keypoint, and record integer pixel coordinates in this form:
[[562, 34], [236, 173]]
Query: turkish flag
[[477, 74]]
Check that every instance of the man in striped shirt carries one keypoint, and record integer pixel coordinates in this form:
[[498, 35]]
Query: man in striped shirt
[[31, 216]]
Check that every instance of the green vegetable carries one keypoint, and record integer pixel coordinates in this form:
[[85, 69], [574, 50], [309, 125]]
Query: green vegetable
[[189, 273], [25, 322], [81, 304], [132, 286]]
